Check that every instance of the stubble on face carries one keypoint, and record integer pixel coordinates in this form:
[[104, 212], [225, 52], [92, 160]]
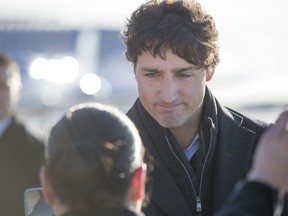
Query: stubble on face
[[170, 89]]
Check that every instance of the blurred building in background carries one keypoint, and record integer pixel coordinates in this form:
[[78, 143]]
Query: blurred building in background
[[64, 67]]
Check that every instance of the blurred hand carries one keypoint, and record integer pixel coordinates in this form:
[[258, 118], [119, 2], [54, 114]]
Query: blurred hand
[[270, 164]]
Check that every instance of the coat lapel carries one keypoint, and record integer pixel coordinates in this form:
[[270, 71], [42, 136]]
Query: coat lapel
[[234, 152]]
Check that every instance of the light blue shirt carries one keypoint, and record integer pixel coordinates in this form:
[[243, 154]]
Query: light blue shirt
[[192, 149]]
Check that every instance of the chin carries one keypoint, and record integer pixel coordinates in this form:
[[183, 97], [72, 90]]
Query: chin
[[169, 124]]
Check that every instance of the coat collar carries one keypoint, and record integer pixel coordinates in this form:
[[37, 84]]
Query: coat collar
[[233, 146]]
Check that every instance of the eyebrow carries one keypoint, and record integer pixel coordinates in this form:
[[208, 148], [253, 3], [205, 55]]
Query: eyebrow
[[176, 70], [183, 69], [150, 69]]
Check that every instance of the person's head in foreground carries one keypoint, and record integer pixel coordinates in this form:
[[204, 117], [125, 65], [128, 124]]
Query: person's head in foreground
[[94, 162]]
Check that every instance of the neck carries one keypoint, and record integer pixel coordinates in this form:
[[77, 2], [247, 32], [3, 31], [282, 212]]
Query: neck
[[186, 132], [184, 136]]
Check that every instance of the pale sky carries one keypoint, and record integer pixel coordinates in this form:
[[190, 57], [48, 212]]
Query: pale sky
[[253, 50]]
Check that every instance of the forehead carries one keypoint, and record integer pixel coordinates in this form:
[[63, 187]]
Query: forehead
[[146, 58]]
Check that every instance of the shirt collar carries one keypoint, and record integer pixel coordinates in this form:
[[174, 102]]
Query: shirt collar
[[192, 149]]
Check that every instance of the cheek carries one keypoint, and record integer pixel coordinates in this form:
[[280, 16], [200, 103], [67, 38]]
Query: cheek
[[146, 94], [193, 91], [191, 86], [144, 90], [144, 85]]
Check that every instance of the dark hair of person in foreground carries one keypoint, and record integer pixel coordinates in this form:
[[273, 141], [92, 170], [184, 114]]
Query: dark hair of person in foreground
[[94, 162]]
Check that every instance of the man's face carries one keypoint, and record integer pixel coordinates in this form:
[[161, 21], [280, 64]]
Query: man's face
[[171, 90], [8, 94]]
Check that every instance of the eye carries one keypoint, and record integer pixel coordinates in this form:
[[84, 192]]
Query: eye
[[151, 74], [183, 75]]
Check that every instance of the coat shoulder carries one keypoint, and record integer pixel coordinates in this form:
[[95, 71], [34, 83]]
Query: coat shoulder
[[248, 122]]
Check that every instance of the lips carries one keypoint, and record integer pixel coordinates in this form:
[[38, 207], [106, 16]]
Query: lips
[[168, 107]]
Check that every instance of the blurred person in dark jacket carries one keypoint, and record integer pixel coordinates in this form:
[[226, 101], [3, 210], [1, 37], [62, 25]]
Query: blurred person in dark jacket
[[201, 148], [21, 153], [94, 164]]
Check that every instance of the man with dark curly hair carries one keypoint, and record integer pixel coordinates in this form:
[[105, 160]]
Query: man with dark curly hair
[[201, 148]]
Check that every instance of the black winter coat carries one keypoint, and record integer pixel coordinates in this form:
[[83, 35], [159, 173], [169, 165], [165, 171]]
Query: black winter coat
[[251, 199], [21, 156], [229, 139]]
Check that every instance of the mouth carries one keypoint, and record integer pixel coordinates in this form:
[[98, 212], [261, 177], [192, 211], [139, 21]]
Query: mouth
[[168, 107]]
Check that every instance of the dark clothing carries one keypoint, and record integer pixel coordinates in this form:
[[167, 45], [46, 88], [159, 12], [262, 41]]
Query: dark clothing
[[21, 155], [102, 212], [250, 199], [228, 140]]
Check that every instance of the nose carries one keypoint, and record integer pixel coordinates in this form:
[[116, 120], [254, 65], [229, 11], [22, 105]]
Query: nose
[[168, 91]]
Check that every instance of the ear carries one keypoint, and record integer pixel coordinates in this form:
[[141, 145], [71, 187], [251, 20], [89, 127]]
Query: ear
[[47, 192], [138, 183], [210, 73]]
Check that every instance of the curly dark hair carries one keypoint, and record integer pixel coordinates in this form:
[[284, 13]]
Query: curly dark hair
[[180, 25]]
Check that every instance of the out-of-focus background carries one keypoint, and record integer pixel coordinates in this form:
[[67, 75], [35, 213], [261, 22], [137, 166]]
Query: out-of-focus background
[[70, 52]]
